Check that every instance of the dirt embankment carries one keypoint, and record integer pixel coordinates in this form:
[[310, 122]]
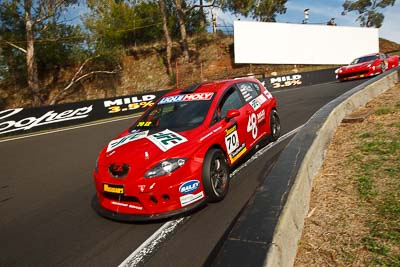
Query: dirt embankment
[[354, 217]]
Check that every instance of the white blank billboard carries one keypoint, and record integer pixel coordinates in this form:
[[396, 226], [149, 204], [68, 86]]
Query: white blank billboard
[[284, 43]]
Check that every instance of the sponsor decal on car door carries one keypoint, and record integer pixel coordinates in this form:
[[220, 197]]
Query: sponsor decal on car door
[[256, 118]]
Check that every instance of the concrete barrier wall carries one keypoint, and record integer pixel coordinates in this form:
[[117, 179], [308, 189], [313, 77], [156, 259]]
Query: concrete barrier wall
[[317, 135]]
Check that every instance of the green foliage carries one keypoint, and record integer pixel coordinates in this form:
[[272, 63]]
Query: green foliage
[[12, 29], [268, 9], [242, 7], [56, 43], [193, 22], [383, 111], [53, 55], [262, 10], [369, 11], [377, 172], [121, 24]]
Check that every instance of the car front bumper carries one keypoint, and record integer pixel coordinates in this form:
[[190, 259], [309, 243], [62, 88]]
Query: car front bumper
[[128, 217]]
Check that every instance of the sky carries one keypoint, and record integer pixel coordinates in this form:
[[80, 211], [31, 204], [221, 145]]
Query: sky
[[322, 11]]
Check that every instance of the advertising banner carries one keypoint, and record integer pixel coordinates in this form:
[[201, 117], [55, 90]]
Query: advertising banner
[[287, 43], [26, 120], [299, 79]]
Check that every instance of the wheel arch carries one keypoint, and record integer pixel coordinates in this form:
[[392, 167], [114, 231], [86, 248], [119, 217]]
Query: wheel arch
[[202, 152], [218, 146]]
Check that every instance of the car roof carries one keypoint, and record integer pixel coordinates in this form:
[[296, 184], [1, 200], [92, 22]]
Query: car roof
[[372, 54], [212, 86]]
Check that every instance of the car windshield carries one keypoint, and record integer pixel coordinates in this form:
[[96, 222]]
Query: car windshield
[[174, 114], [364, 59]]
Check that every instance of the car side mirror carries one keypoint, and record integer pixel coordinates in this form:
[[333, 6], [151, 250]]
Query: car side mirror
[[232, 113]]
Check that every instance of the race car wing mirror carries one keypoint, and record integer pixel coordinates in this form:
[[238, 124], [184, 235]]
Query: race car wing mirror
[[232, 113]]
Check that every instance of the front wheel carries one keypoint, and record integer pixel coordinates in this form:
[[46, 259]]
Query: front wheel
[[275, 125], [215, 175]]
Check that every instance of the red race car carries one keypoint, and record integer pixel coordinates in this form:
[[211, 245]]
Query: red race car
[[366, 66], [179, 153]]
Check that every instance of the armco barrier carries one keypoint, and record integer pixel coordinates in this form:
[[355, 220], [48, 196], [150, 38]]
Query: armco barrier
[[268, 230]]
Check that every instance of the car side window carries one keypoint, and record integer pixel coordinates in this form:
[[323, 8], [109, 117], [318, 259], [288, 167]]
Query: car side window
[[257, 88], [249, 90], [231, 100]]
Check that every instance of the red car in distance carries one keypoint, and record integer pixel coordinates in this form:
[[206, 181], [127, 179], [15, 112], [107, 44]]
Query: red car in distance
[[179, 153], [367, 66]]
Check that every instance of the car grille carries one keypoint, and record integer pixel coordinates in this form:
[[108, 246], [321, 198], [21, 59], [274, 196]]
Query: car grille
[[118, 197], [118, 170]]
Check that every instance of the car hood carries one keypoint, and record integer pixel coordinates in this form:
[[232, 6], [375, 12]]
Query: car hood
[[143, 149], [357, 66]]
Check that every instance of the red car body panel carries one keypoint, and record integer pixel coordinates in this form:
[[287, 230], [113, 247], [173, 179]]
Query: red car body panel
[[134, 197], [370, 65]]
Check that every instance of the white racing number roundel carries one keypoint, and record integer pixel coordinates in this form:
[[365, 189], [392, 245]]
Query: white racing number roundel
[[232, 141], [252, 125]]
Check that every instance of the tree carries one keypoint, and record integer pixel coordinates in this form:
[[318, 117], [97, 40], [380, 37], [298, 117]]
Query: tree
[[167, 36], [182, 29], [262, 10], [35, 33], [190, 18], [81, 74], [12, 57], [369, 11], [120, 24], [267, 10], [242, 7], [35, 15], [202, 16]]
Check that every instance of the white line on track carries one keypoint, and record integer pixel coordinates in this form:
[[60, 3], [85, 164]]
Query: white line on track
[[152, 243], [66, 129], [144, 251]]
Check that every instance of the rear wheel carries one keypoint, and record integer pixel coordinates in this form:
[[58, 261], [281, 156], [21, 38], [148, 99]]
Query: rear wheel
[[215, 175], [275, 125]]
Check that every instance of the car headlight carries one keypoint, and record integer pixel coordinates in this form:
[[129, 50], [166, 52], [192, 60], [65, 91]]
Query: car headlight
[[369, 65], [165, 167]]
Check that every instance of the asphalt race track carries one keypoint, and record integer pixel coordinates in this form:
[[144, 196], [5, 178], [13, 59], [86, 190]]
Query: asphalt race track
[[46, 188]]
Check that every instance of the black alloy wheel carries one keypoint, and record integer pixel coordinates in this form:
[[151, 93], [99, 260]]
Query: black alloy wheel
[[215, 175], [275, 124]]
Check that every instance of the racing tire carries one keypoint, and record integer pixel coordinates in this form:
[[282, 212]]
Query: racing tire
[[215, 175], [275, 125]]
